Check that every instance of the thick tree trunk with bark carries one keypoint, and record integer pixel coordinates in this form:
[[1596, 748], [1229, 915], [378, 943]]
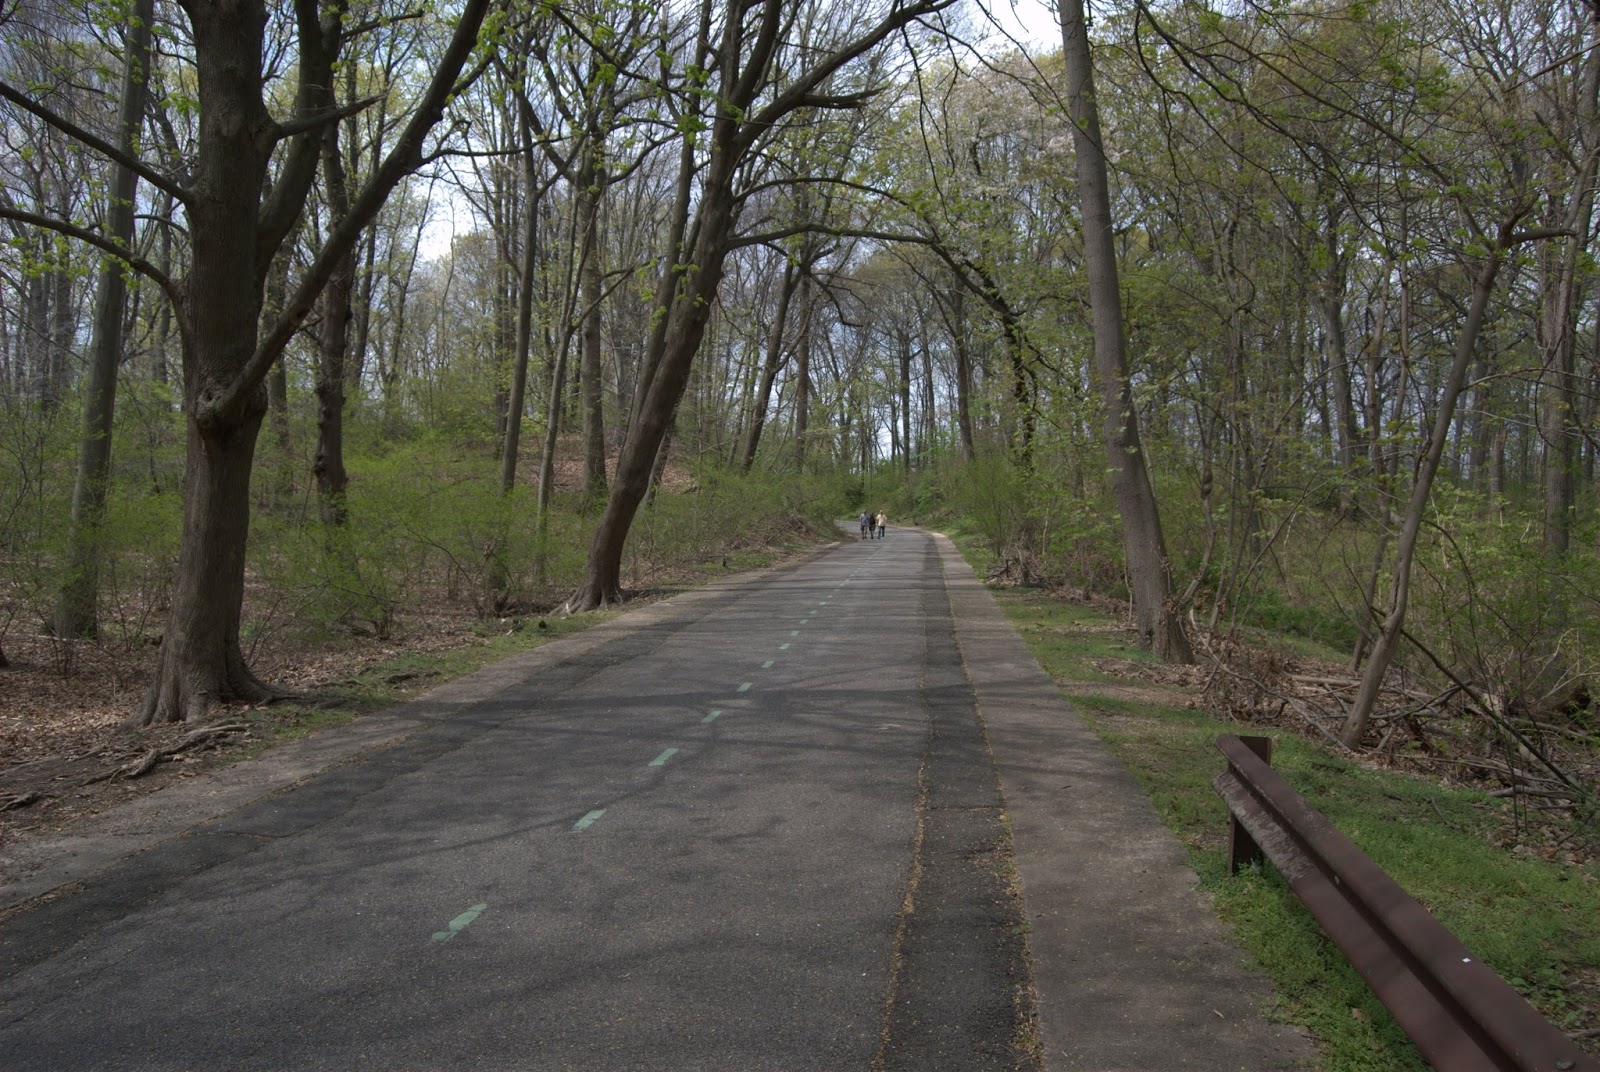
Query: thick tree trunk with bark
[[1156, 616], [237, 226], [201, 662]]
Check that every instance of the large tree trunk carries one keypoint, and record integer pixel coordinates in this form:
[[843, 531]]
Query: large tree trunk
[[75, 610], [201, 663], [1159, 624], [237, 227]]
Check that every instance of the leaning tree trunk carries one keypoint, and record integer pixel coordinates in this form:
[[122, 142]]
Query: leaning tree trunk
[[653, 417], [1389, 632], [1149, 573], [749, 103]]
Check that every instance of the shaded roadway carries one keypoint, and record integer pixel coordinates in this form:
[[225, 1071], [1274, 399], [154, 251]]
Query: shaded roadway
[[757, 826]]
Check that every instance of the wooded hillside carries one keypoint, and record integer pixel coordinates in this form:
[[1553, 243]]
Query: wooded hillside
[[1275, 316]]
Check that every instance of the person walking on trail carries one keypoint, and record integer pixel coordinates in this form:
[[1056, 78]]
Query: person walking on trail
[[881, 522], [866, 525]]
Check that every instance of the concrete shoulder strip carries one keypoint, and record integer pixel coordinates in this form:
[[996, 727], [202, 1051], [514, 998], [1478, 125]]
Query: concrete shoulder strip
[[1132, 968]]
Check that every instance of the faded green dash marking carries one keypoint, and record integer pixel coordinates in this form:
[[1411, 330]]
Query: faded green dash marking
[[794, 632], [455, 926], [783, 647], [712, 717], [588, 820], [745, 687], [661, 760]]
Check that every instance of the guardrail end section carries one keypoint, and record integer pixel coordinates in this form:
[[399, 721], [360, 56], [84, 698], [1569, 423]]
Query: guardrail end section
[[1242, 848]]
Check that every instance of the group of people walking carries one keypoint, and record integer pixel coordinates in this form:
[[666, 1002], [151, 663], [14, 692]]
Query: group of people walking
[[870, 522]]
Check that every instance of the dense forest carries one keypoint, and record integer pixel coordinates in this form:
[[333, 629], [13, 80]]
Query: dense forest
[[1250, 315]]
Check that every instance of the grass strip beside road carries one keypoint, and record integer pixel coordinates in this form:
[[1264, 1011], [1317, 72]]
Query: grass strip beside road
[[1529, 918]]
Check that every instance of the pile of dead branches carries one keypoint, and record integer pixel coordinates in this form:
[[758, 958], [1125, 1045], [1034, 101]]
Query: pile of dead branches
[[1462, 732]]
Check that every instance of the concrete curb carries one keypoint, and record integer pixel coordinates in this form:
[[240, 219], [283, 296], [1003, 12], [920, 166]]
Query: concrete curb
[[1131, 966]]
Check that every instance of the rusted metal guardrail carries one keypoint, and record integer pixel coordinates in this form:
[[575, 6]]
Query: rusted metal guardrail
[[1461, 1015]]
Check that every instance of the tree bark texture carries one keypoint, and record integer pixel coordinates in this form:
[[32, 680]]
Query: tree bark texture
[[589, 365], [802, 385], [1149, 574], [769, 367], [237, 226], [333, 345], [1559, 321], [524, 344]]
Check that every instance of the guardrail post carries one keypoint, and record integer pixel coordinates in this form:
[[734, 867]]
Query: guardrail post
[[1242, 848]]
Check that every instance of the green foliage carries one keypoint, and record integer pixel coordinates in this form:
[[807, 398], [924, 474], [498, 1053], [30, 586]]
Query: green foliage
[[993, 496], [725, 513], [428, 527], [1267, 608]]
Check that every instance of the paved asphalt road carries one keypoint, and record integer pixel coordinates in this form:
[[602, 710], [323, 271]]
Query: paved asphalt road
[[761, 832]]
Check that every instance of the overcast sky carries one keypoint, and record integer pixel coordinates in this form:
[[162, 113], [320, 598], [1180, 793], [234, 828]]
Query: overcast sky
[[1030, 21]]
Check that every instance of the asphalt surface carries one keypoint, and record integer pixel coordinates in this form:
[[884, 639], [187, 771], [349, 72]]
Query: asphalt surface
[[759, 826]]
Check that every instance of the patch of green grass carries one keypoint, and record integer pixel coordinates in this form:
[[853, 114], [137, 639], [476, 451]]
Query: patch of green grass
[[1529, 919], [1073, 636]]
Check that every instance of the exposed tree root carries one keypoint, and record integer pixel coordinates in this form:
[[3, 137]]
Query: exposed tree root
[[593, 596], [145, 763]]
